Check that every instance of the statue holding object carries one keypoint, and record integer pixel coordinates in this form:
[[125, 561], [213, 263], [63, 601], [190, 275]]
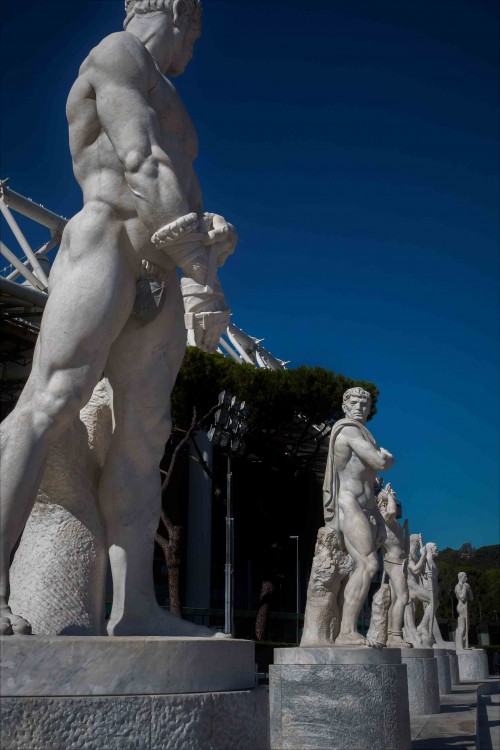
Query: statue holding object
[[388, 606], [116, 304]]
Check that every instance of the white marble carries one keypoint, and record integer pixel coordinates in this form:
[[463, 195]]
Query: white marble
[[57, 578], [444, 670], [339, 697], [464, 595], [423, 681], [116, 304], [473, 665], [351, 511], [99, 665], [454, 670], [422, 577], [396, 550], [192, 721]]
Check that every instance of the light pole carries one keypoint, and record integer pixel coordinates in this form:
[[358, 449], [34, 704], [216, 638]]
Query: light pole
[[297, 586], [229, 426]]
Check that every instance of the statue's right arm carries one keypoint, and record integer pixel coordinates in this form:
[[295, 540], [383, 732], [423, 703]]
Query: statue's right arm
[[122, 73], [371, 455]]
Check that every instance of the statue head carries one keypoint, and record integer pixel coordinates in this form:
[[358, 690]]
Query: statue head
[[462, 577], [356, 404], [178, 22], [415, 542], [432, 550], [180, 7]]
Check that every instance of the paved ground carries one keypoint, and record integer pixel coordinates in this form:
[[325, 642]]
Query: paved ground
[[455, 725]]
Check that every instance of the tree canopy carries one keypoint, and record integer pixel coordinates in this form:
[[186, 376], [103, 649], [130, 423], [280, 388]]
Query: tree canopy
[[275, 397]]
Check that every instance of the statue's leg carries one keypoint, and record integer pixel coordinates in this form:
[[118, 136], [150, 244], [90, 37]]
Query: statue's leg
[[142, 368], [92, 292], [359, 542], [399, 600]]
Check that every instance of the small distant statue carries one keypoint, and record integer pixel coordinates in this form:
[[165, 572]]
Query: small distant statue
[[420, 637], [351, 511], [464, 595], [430, 582], [396, 551]]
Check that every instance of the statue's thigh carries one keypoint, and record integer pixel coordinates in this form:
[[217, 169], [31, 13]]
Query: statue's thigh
[[145, 358]]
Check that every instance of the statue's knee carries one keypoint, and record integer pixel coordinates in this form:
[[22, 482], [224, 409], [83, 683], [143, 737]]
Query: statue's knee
[[56, 406], [372, 565]]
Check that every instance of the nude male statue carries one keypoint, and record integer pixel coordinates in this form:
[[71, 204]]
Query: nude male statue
[[464, 595], [350, 505], [430, 583], [396, 548], [116, 304]]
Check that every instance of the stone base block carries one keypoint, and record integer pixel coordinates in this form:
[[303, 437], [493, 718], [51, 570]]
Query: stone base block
[[339, 699], [444, 674], [100, 665], [473, 665], [423, 682], [236, 720], [454, 672]]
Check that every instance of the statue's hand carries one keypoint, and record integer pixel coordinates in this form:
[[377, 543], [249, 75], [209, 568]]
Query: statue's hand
[[205, 329], [206, 314], [222, 236]]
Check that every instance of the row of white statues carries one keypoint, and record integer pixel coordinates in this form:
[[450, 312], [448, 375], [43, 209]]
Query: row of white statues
[[361, 520], [116, 305]]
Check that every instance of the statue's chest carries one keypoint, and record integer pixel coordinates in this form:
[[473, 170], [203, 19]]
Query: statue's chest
[[173, 117]]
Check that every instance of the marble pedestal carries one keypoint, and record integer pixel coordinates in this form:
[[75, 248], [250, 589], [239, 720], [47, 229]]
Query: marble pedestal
[[473, 665], [443, 666], [454, 672], [423, 682], [339, 699], [149, 693]]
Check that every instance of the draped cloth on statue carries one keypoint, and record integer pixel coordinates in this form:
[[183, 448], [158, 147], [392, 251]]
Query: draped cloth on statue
[[331, 482]]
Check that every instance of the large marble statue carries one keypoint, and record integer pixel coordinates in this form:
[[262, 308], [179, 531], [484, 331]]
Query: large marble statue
[[464, 595], [116, 304], [396, 550], [351, 511]]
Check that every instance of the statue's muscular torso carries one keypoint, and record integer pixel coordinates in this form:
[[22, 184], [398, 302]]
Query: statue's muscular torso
[[356, 478], [96, 165]]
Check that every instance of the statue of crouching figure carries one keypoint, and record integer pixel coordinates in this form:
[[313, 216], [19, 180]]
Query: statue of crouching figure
[[330, 569]]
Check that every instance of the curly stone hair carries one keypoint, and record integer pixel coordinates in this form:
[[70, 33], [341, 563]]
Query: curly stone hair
[[141, 7], [357, 391]]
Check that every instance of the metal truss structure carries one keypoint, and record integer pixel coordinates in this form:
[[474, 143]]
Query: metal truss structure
[[23, 294]]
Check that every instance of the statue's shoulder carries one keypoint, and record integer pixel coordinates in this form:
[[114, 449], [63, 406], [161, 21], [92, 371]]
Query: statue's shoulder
[[119, 53]]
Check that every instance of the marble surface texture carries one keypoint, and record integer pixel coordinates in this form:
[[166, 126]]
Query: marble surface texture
[[100, 665], [444, 673], [473, 665], [423, 683], [236, 720], [339, 706], [454, 671]]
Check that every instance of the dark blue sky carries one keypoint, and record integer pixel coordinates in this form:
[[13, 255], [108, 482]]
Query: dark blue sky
[[354, 144]]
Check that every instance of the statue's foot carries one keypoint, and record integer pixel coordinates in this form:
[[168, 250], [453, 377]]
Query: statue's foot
[[316, 642], [397, 641], [159, 622], [426, 639], [351, 639], [11, 624]]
